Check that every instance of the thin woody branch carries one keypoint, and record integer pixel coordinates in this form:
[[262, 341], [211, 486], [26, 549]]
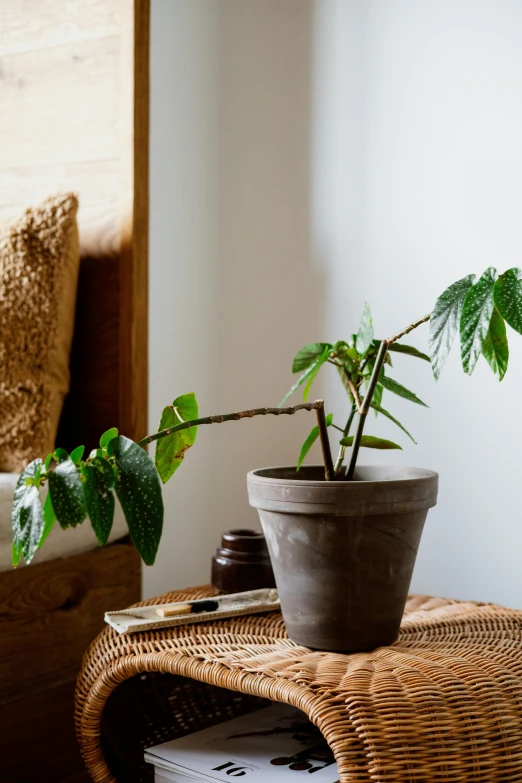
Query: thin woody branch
[[317, 406], [219, 419], [374, 378], [325, 444], [408, 329], [355, 394]]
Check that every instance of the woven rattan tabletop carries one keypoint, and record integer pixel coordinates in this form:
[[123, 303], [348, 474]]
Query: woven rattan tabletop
[[444, 703]]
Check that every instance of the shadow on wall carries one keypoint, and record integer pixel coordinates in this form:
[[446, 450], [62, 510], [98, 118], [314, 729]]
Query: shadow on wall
[[235, 290]]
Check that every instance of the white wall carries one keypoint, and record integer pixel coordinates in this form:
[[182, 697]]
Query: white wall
[[418, 181], [183, 265], [306, 158], [234, 288]]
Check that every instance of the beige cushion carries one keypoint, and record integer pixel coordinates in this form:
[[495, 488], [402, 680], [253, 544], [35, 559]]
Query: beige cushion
[[39, 262]]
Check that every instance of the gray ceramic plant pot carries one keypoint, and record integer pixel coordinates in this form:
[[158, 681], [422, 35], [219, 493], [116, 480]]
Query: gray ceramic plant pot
[[343, 552]]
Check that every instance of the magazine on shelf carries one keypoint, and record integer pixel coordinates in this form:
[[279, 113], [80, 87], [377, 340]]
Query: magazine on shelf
[[278, 743]]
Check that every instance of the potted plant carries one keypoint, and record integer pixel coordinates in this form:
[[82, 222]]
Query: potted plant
[[342, 538]]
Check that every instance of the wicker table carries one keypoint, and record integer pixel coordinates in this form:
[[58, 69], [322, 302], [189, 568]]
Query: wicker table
[[444, 703]]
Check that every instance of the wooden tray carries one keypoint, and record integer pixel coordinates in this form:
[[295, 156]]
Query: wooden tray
[[144, 618]]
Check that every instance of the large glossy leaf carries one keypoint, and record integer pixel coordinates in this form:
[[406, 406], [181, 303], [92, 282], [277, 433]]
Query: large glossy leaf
[[495, 347], [445, 320], [170, 451], [365, 331], [139, 491], [312, 437], [388, 415], [66, 490], [307, 377], [98, 483], [409, 350], [475, 319], [399, 389], [508, 297], [370, 442], [307, 355], [27, 517]]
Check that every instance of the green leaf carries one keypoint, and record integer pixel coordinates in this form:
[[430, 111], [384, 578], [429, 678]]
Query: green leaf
[[309, 372], [365, 331], [27, 518], [16, 553], [170, 451], [315, 369], [445, 320], [77, 454], [60, 455], [98, 481], [107, 436], [48, 461], [369, 442], [377, 408], [139, 491], [495, 347], [66, 490], [400, 390], [475, 319], [309, 442], [377, 395], [307, 355], [508, 297], [49, 519], [409, 350]]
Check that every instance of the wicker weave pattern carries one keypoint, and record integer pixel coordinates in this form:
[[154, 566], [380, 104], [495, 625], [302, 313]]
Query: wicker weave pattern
[[443, 704]]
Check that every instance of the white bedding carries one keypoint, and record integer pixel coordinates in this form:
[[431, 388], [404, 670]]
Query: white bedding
[[60, 542]]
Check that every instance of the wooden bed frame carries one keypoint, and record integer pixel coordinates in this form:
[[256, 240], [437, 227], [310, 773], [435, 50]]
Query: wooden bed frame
[[74, 85]]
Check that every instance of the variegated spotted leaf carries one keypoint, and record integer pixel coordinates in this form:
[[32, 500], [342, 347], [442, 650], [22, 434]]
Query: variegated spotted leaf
[[27, 517], [138, 488], [508, 297], [476, 318], [445, 320], [66, 489], [98, 483], [495, 347]]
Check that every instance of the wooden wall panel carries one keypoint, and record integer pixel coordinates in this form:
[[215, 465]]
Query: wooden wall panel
[[50, 613], [74, 117], [74, 97]]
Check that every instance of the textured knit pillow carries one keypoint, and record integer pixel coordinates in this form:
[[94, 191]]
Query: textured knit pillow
[[39, 262]]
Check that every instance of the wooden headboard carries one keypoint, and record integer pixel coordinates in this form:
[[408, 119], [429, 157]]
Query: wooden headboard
[[74, 117]]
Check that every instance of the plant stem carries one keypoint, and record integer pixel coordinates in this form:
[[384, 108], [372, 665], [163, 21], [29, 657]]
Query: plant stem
[[365, 407], [317, 406], [408, 329], [355, 393], [346, 432], [329, 473]]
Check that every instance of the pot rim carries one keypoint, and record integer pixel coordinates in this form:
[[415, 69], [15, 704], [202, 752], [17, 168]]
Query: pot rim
[[424, 475]]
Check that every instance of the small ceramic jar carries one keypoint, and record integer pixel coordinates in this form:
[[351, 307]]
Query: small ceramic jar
[[242, 562]]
